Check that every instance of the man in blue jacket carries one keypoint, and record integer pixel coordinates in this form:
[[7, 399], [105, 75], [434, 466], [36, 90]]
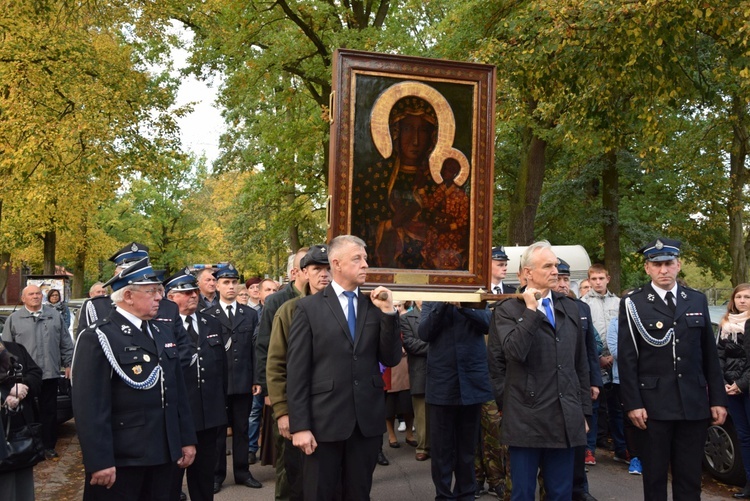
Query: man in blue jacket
[[457, 385]]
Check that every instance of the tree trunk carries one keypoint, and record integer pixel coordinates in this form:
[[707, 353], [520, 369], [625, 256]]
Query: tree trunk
[[611, 220], [50, 240], [735, 207], [528, 191], [79, 269], [294, 242]]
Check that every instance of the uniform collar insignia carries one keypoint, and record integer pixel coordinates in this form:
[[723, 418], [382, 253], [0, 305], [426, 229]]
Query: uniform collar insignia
[[125, 329], [203, 320], [650, 298], [683, 295], [155, 327]]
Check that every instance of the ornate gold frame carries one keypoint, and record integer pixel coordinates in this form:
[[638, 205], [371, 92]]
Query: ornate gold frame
[[394, 77]]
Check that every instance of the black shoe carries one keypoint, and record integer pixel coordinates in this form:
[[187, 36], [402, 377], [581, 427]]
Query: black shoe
[[498, 491], [252, 458], [382, 460], [183, 496], [743, 494], [217, 487], [480, 491], [584, 496], [50, 454], [251, 482]]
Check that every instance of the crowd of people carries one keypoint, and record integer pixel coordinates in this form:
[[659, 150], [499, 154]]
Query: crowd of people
[[311, 376]]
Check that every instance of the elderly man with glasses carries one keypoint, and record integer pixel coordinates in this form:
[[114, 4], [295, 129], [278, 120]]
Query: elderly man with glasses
[[130, 400]]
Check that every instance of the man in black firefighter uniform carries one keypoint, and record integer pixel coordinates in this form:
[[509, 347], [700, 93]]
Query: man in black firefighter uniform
[[238, 324], [670, 378]]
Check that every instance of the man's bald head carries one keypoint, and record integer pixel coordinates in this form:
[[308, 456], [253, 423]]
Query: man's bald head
[[31, 297]]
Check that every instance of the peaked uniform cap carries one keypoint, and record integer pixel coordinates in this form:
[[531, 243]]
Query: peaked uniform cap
[[139, 273], [129, 254], [182, 281], [227, 271], [563, 268], [661, 249], [498, 254]]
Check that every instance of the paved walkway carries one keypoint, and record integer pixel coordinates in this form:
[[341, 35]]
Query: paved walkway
[[405, 479]]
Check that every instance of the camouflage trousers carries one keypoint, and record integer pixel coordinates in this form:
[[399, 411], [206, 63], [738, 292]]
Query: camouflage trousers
[[491, 461]]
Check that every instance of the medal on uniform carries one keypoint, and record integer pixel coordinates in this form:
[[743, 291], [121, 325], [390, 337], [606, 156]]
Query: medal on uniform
[[146, 358], [659, 325], [137, 369]]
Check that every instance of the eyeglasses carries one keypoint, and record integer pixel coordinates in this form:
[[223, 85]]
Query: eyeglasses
[[152, 292]]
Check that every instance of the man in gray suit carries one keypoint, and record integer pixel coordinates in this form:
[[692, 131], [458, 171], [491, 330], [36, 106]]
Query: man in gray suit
[[537, 342], [334, 386]]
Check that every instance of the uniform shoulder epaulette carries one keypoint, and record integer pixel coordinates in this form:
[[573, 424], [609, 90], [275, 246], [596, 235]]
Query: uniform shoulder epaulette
[[634, 291], [98, 323]]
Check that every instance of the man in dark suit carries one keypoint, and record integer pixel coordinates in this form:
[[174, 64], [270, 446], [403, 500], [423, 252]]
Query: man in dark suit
[[670, 379], [206, 382], [130, 400], [538, 363], [334, 386], [238, 324], [499, 271]]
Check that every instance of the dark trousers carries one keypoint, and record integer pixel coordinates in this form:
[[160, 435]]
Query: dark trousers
[[675, 444], [739, 409], [580, 480], [454, 432], [144, 483], [350, 462], [48, 412], [556, 466], [239, 413], [293, 461], [629, 429], [200, 474], [616, 422]]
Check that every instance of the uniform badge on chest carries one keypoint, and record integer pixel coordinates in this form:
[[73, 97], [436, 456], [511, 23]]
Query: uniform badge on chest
[[137, 369]]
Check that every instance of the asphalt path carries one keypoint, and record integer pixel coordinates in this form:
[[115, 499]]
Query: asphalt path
[[404, 479]]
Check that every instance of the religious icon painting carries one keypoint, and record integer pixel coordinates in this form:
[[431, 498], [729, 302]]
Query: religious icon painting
[[411, 168]]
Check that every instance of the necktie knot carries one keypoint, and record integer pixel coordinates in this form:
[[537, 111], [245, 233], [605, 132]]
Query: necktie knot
[[497, 289], [351, 312]]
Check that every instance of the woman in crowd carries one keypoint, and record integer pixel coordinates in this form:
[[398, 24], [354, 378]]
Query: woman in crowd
[[733, 355], [55, 300], [18, 386]]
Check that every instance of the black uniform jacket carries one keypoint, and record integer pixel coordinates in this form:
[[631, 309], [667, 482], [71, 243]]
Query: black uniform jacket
[[97, 308], [240, 353], [94, 309], [334, 382], [117, 424], [680, 380], [206, 376]]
